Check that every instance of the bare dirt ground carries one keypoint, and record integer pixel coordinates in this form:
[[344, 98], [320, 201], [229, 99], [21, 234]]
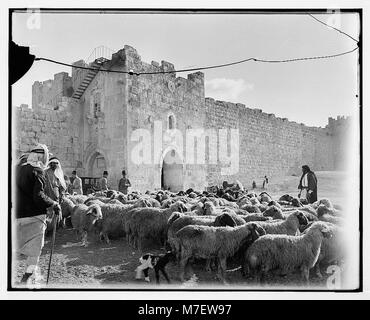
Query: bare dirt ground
[[103, 266]]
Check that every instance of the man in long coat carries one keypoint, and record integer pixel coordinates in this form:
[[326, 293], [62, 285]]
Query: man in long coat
[[308, 185]]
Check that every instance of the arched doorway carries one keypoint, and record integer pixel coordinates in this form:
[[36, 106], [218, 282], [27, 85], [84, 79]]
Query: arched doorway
[[97, 165], [172, 172]]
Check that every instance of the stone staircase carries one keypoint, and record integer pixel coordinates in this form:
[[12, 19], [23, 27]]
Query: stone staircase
[[87, 76]]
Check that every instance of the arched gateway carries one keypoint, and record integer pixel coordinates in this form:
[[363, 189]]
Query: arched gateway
[[172, 177], [96, 165]]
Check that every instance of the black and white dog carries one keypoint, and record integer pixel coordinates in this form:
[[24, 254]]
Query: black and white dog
[[156, 262]]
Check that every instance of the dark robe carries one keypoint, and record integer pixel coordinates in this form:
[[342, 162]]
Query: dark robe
[[312, 186]]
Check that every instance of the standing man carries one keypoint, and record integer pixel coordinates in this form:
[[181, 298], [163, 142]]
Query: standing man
[[76, 184], [308, 185], [55, 185], [104, 181], [31, 207], [124, 183]]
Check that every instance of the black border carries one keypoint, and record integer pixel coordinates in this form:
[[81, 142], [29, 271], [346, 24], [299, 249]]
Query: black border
[[188, 11]]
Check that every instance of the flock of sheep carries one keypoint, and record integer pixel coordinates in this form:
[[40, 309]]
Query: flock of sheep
[[261, 235]]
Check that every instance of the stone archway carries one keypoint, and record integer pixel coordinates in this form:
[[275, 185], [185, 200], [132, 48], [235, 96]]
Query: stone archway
[[96, 165], [172, 175]]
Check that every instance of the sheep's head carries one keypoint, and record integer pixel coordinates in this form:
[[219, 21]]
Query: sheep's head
[[258, 229], [208, 207], [326, 202], [174, 216], [67, 206], [321, 210], [121, 198], [303, 229], [321, 227], [296, 202], [264, 197], [224, 220], [286, 197], [94, 213], [255, 231], [326, 233], [273, 211], [273, 203], [158, 197], [254, 201], [171, 256], [302, 220], [179, 206], [251, 208], [111, 194]]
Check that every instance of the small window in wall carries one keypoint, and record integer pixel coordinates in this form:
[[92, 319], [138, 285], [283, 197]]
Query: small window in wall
[[171, 122], [96, 110]]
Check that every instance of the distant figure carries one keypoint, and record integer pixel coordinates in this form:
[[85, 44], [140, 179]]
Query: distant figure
[[103, 182], [124, 183], [238, 185], [308, 185], [265, 182], [254, 186], [77, 183]]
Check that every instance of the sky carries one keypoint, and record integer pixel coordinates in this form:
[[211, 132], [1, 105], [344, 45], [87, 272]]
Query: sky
[[306, 92]]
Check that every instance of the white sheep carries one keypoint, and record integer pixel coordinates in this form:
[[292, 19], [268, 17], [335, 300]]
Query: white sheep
[[289, 226], [78, 198], [150, 223], [325, 202], [179, 220], [333, 249], [214, 243], [275, 212], [286, 253], [83, 219], [112, 224], [328, 215]]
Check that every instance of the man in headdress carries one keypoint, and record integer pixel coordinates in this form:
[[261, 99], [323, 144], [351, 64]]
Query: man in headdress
[[31, 207], [308, 185], [55, 184]]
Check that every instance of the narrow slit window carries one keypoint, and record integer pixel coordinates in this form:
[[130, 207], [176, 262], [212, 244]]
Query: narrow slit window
[[171, 122]]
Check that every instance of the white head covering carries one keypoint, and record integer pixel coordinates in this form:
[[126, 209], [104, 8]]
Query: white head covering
[[38, 157], [58, 172]]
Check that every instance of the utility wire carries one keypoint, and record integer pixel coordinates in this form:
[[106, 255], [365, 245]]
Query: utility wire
[[340, 31], [201, 68]]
